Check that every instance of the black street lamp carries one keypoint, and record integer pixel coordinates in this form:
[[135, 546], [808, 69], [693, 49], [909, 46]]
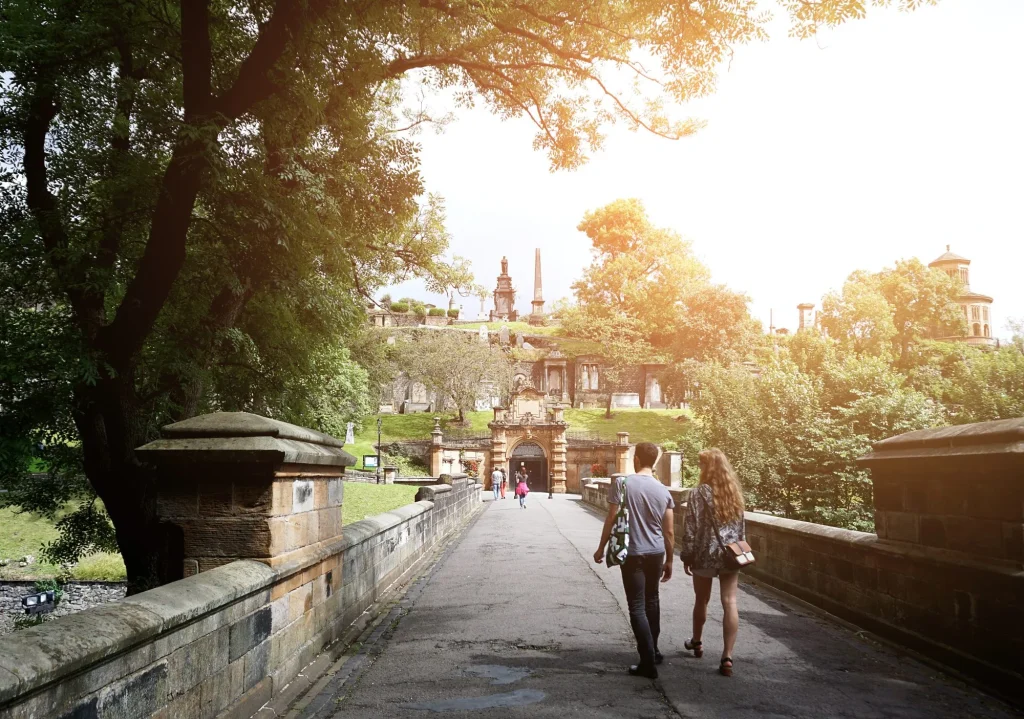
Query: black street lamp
[[380, 423], [551, 476]]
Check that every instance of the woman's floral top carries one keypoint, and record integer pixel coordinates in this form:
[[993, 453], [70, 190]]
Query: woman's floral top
[[700, 548]]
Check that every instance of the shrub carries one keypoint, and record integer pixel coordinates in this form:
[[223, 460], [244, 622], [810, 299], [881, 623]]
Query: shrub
[[419, 309], [597, 469], [399, 307], [454, 314], [436, 312]]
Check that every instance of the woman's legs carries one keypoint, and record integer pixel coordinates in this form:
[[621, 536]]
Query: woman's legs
[[730, 612], [702, 590]]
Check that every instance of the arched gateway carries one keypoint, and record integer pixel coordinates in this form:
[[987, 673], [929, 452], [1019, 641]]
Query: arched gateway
[[532, 433], [530, 455]]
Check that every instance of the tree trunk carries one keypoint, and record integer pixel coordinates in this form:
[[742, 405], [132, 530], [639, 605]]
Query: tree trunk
[[608, 407], [111, 428]]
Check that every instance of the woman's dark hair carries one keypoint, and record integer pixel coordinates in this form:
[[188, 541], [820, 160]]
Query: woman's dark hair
[[645, 455]]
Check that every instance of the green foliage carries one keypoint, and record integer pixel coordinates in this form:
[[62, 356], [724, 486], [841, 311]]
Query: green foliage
[[453, 313], [437, 312], [399, 307], [647, 293], [888, 313], [794, 435], [453, 365], [972, 383]]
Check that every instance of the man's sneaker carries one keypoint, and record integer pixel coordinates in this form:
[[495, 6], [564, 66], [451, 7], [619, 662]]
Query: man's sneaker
[[638, 670]]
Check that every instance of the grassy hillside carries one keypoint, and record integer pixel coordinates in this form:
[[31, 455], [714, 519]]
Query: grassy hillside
[[23, 533], [651, 425], [365, 500]]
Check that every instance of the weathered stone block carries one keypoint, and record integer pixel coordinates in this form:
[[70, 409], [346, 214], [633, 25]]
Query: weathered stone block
[[901, 526], [136, 697], [178, 499], [255, 497], [256, 665], [239, 537], [302, 495], [248, 632], [215, 499], [192, 663], [282, 501], [335, 492]]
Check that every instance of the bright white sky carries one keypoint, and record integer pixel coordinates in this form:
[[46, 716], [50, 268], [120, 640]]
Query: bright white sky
[[888, 138]]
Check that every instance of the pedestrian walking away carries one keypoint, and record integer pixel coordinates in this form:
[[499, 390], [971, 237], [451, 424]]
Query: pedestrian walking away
[[522, 486], [714, 520], [649, 560], [496, 477], [504, 481]]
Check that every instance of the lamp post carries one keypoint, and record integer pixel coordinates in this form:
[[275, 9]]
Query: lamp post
[[550, 477], [380, 424]]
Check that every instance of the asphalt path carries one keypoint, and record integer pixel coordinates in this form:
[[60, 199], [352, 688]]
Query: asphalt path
[[516, 620]]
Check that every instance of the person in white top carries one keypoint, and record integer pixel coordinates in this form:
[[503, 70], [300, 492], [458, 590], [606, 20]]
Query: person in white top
[[496, 478]]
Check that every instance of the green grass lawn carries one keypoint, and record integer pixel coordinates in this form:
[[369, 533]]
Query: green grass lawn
[[643, 425], [650, 425], [518, 328], [365, 500], [23, 533]]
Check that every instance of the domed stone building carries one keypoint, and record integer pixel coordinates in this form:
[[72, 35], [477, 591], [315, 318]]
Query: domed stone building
[[977, 307]]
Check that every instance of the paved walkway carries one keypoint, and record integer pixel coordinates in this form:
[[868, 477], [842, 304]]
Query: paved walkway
[[517, 621]]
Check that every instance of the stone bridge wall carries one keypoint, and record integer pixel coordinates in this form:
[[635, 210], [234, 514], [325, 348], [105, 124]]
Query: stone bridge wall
[[962, 610], [223, 642]]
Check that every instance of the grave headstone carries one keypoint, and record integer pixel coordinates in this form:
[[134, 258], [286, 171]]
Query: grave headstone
[[503, 336], [350, 434], [482, 334], [519, 341]]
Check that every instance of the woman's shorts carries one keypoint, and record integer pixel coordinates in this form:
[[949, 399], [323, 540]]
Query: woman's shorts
[[710, 573]]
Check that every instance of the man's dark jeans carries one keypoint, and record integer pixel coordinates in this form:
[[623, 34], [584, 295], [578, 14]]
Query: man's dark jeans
[[640, 577]]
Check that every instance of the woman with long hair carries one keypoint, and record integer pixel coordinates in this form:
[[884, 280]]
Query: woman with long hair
[[715, 506]]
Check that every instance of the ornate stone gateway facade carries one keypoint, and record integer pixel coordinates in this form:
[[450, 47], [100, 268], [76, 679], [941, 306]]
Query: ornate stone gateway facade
[[530, 432]]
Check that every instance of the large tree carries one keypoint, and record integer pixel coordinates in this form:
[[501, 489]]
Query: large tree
[[889, 313], [167, 165], [456, 368], [646, 281]]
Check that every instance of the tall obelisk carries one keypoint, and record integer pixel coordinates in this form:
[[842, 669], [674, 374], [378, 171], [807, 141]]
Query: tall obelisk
[[537, 315]]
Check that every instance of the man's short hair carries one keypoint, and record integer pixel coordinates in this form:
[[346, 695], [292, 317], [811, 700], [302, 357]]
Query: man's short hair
[[646, 454]]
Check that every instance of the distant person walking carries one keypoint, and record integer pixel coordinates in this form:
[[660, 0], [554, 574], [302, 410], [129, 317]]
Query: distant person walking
[[650, 551], [522, 485], [504, 481], [496, 479], [714, 507]]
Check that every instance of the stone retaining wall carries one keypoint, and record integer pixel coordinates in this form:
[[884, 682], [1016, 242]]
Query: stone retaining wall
[[225, 641], [595, 493], [955, 608], [78, 595]]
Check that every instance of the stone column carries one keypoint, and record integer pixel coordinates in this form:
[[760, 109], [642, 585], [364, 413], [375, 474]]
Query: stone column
[[558, 461], [622, 453], [670, 469], [234, 485], [498, 459], [436, 449]]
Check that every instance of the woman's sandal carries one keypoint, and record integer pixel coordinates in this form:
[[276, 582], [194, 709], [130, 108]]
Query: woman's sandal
[[725, 671], [696, 647]]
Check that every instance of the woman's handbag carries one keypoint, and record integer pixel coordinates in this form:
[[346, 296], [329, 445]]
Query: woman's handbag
[[618, 544], [737, 555]]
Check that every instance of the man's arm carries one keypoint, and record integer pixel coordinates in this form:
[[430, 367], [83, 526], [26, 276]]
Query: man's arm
[[668, 532], [606, 532]]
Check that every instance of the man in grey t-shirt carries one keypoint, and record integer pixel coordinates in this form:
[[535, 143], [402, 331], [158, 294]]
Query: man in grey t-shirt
[[650, 551]]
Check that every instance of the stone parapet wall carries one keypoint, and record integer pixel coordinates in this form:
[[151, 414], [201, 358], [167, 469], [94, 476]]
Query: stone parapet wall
[[956, 608], [225, 641], [951, 606], [78, 595], [595, 494]]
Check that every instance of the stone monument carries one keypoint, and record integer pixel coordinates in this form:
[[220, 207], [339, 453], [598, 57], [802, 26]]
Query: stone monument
[[537, 313], [504, 297]]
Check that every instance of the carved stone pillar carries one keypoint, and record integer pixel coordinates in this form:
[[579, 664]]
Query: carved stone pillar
[[622, 453], [436, 449], [558, 462], [498, 448]]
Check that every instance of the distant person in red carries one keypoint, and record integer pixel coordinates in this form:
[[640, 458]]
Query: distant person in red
[[504, 481], [521, 485]]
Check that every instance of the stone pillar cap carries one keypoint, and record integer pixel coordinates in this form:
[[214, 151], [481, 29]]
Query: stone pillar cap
[[1002, 438], [241, 437]]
